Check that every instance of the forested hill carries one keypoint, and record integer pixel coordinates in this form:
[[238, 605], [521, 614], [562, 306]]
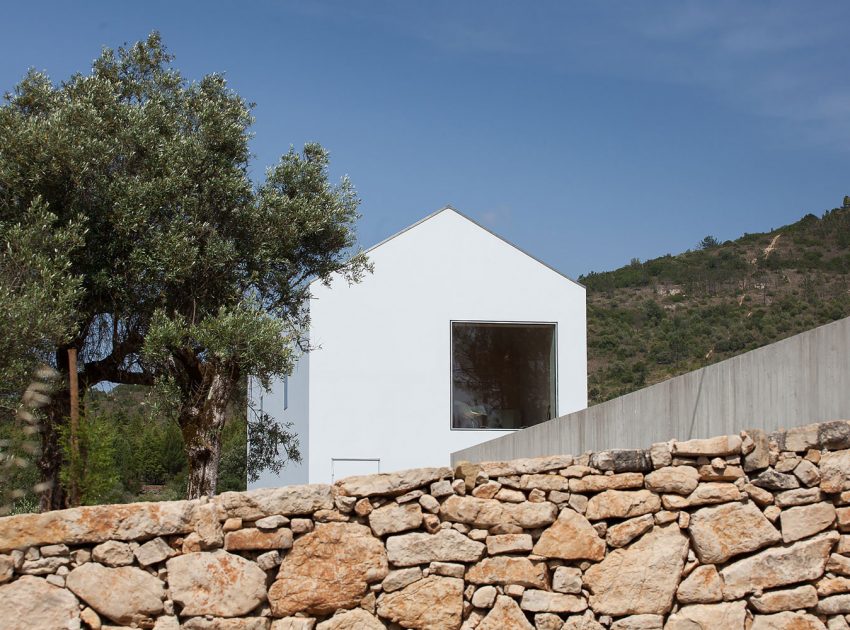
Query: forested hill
[[652, 320]]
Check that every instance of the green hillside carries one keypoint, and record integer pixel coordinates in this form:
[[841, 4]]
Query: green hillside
[[649, 321]]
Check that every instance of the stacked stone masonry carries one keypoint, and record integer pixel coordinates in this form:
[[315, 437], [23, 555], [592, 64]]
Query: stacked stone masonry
[[741, 532]]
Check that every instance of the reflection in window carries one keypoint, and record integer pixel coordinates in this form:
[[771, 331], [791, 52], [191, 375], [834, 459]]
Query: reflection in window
[[503, 375]]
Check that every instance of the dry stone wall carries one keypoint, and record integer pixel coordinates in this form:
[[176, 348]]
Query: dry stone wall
[[742, 532]]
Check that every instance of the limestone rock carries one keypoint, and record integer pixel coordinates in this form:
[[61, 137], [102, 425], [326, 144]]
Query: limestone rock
[[567, 580], [838, 564], [622, 460], [807, 473], [271, 522], [799, 438], [798, 496], [504, 570], [434, 603], [357, 619], [508, 543], [622, 504], [288, 500], [834, 605], [623, 533], [761, 496], [673, 480], [545, 601], [447, 569], [208, 526], [711, 447], [598, 483], [294, 623], [491, 512], [222, 623], [253, 539], [328, 569], [113, 554], [487, 490], [153, 551], [393, 484], [759, 457], [787, 621], [526, 466], [834, 472], [702, 586], [639, 622], [30, 603], [729, 616], [89, 617], [505, 614], [832, 585], [806, 520], [542, 482], [54, 550], [215, 583], [269, 560], [396, 580], [710, 493], [447, 545], [7, 568], [778, 566], [641, 578], [394, 518], [721, 532], [124, 594], [837, 623], [833, 435], [43, 566], [548, 621], [484, 597], [510, 496], [441, 488], [571, 537], [97, 524], [584, 622], [790, 599], [772, 480]]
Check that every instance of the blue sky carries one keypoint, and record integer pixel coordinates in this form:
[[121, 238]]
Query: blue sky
[[587, 133]]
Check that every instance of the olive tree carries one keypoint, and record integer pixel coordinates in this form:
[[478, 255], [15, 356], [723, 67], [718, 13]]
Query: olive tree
[[193, 277]]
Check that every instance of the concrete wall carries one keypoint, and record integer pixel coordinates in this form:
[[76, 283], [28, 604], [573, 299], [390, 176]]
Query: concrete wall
[[729, 533], [380, 376], [805, 378]]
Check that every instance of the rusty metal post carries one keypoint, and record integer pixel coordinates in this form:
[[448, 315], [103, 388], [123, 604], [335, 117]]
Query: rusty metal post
[[74, 490]]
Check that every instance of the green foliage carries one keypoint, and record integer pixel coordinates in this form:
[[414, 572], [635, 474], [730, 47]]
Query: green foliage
[[192, 276], [94, 469], [129, 451], [708, 242], [271, 445], [653, 320], [38, 294]]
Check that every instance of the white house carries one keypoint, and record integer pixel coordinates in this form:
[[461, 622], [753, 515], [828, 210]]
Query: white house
[[457, 337]]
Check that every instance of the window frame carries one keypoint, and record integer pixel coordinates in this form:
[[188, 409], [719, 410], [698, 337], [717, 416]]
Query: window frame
[[452, 322]]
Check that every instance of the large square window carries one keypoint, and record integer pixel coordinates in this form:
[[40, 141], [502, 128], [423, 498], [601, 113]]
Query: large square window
[[503, 375]]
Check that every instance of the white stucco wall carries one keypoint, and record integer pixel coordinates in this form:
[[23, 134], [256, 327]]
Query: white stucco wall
[[380, 379], [293, 408]]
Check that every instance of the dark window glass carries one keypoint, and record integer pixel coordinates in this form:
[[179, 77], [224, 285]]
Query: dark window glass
[[503, 375]]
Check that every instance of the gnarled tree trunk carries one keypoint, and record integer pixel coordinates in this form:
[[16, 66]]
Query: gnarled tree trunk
[[202, 424]]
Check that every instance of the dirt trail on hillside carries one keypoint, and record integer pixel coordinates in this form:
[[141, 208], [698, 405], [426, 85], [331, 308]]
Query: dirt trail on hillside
[[772, 246]]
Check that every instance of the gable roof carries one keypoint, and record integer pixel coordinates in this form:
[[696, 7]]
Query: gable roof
[[479, 225]]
